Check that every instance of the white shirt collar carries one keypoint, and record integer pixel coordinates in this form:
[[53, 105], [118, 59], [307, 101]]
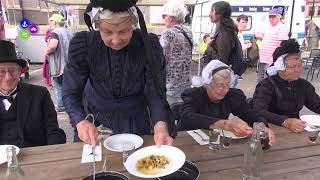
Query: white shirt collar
[[5, 102], [1, 93]]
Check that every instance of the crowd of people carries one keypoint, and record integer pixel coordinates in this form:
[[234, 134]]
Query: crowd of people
[[130, 80]]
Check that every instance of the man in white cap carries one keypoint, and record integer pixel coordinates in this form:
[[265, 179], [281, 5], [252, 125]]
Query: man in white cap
[[57, 50], [272, 38]]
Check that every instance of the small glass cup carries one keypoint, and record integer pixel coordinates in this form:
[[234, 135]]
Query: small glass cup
[[264, 139], [226, 141], [313, 136], [263, 135], [214, 139], [127, 149]]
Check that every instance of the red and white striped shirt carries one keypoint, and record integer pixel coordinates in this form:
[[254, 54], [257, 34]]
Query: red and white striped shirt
[[271, 40]]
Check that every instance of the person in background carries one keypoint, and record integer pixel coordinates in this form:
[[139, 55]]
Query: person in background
[[177, 45], [209, 106], [57, 52], [207, 39], [224, 40], [2, 30], [117, 73], [45, 66], [242, 21], [282, 108], [27, 115], [226, 31], [271, 39]]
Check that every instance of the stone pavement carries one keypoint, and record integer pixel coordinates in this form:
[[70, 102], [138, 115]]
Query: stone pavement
[[247, 85]]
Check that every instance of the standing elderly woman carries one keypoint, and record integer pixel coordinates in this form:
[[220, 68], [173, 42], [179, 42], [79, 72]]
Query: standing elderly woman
[[113, 74], [281, 102], [210, 106], [224, 38], [177, 44]]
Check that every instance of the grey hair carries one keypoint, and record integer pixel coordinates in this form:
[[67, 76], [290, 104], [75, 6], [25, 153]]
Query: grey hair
[[224, 74], [176, 9], [133, 18]]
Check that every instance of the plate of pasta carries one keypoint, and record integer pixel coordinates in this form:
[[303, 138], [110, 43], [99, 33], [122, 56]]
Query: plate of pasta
[[153, 161]]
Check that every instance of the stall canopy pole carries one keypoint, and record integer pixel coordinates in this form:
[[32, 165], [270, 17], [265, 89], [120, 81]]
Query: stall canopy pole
[[312, 10], [290, 32], [14, 14], [199, 57], [48, 11]]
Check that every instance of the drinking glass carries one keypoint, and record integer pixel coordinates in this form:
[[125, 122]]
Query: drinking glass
[[127, 149], [312, 136], [263, 134], [214, 139], [225, 140]]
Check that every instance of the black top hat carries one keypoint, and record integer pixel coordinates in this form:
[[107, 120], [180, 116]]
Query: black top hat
[[8, 54]]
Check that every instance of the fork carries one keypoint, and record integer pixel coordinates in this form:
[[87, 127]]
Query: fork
[[202, 138], [104, 167]]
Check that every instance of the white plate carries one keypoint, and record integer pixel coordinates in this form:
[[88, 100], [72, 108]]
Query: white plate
[[115, 142], [3, 154], [175, 156], [311, 119], [230, 134]]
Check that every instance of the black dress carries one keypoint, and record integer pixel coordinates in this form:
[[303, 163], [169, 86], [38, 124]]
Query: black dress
[[295, 95], [198, 111], [115, 86]]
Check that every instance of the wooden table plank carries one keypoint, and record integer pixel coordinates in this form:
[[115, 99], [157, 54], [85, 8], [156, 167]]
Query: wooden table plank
[[291, 156]]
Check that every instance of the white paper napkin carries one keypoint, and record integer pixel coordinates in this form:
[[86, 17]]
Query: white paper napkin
[[193, 133], [88, 157]]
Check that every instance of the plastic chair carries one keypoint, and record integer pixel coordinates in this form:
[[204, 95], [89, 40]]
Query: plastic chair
[[315, 65], [313, 54]]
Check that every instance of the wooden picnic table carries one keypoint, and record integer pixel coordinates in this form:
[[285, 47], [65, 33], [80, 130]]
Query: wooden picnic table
[[291, 158]]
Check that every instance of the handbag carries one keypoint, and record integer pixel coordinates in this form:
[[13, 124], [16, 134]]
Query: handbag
[[187, 37]]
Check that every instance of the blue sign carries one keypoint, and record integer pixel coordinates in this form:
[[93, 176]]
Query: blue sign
[[253, 8], [24, 23]]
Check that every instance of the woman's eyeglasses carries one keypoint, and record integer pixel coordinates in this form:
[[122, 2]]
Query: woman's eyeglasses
[[295, 66]]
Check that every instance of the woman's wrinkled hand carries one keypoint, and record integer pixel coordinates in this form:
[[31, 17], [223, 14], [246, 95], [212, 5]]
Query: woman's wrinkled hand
[[295, 125], [239, 128], [272, 137], [87, 132], [161, 135]]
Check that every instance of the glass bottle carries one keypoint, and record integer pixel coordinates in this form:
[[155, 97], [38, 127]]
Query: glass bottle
[[253, 157], [14, 171]]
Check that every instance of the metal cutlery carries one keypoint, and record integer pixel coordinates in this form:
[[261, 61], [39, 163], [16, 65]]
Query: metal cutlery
[[202, 138], [93, 153], [94, 162], [104, 167]]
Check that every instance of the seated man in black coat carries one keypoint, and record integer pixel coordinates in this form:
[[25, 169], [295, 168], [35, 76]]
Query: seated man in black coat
[[27, 114]]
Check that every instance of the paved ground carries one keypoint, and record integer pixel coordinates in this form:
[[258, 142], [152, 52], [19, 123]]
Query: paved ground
[[247, 85]]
